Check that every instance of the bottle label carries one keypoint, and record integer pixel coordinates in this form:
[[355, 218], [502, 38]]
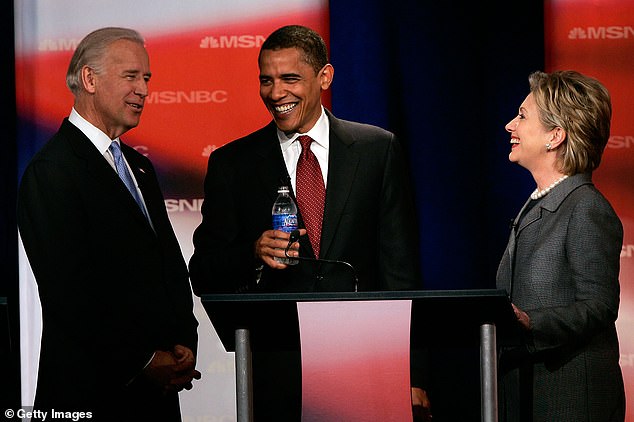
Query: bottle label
[[285, 222]]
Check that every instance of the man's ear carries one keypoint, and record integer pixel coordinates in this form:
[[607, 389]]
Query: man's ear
[[88, 79], [326, 74]]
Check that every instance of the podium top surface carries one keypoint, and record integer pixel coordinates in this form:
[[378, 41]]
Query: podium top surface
[[441, 314], [344, 296]]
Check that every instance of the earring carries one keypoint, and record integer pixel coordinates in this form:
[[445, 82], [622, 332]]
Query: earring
[[548, 146]]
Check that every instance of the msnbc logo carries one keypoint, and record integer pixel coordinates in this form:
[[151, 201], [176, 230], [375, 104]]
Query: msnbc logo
[[182, 205], [601, 33], [187, 97], [620, 142], [61, 44], [232, 41]]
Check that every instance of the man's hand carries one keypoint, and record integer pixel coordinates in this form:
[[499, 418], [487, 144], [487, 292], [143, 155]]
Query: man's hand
[[272, 244], [421, 406], [185, 368], [173, 370]]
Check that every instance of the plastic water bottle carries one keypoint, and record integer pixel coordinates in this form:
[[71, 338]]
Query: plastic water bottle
[[285, 217]]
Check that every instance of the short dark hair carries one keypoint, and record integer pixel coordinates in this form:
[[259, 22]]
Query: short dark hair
[[309, 42]]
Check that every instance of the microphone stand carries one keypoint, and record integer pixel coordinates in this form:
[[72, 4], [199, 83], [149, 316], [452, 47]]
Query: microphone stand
[[295, 237]]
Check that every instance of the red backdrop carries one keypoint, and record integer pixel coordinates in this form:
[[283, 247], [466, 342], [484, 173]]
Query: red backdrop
[[597, 38]]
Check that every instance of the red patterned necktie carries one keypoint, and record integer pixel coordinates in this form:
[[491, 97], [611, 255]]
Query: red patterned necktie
[[311, 192]]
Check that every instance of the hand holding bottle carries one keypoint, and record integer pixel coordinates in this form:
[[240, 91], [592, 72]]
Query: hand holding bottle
[[271, 246]]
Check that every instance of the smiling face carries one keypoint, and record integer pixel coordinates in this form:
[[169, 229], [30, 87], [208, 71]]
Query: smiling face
[[117, 92], [291, 90], [529, 137]]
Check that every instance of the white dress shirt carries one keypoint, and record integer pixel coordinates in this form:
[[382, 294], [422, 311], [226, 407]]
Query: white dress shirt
[[291, 147]]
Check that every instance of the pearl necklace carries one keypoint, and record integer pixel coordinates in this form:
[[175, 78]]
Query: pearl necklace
[[539, 193]]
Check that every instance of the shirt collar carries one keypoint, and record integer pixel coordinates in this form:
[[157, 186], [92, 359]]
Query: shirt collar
[[319, 133], [97, 137]]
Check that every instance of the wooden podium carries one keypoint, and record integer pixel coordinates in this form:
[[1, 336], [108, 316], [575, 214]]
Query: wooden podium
[[447, 317]]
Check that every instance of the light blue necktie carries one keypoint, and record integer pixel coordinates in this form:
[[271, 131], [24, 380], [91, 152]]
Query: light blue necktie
[[125, 176]]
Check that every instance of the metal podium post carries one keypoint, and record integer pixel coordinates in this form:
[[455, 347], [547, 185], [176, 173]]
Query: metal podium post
[[488, 373], [244, 376]]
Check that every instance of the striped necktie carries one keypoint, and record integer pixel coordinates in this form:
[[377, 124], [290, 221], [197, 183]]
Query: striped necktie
[[124, 175]]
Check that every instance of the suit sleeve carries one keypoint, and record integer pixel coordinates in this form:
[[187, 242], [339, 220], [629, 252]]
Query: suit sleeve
[[399, 257], [224, 255], [173, 266], [398, 229]]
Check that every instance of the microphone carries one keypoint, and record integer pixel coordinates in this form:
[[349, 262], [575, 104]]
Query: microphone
[[294, 237]]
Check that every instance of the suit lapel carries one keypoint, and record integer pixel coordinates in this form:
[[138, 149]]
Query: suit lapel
[[512, 245], [551, 203], [94, 163], [140, 172], [144, 177], [96, 167], [553, 200], [269, 162], [342, 168]]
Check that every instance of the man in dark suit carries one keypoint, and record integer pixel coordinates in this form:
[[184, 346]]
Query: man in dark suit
[[368, 213], [119, 335]]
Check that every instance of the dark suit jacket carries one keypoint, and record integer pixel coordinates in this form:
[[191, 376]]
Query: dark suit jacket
[[112, 289], [369, 219], [369, 222], [562, 268]]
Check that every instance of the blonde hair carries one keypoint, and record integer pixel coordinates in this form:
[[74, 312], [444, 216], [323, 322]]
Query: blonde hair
[[581, 106]]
